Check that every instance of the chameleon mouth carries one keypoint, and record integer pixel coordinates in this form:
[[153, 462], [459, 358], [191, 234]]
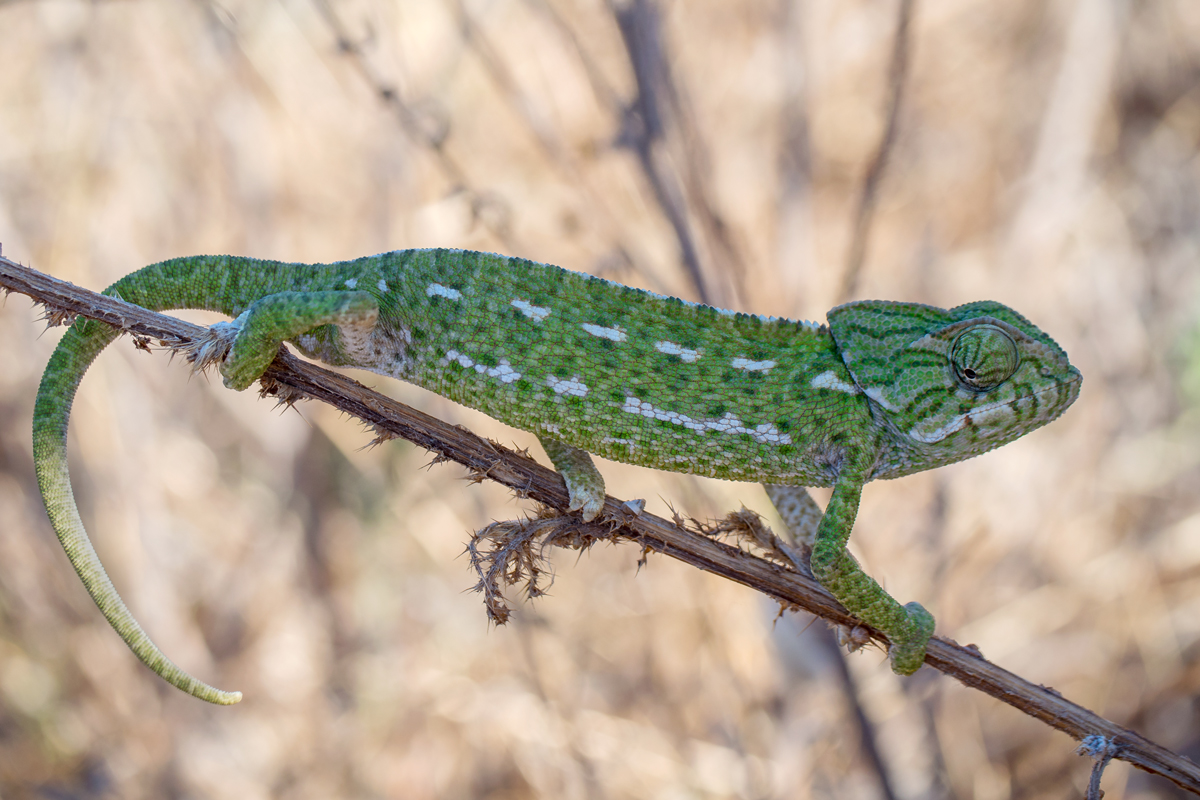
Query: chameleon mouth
[[1000, 415]]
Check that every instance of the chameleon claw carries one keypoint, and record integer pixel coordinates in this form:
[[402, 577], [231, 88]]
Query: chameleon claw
[[907, 652], [588, 505]]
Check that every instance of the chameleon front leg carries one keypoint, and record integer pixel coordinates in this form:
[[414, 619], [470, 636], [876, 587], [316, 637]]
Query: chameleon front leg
[[908, 627], [585, 484]]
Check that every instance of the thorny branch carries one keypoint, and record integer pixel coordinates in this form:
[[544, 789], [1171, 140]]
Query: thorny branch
[[291, 379]]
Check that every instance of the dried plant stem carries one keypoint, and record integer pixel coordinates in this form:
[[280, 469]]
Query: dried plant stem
[[290, 378]]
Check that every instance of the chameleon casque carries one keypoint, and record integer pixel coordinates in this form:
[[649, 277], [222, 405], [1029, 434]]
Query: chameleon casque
[[590, 366]]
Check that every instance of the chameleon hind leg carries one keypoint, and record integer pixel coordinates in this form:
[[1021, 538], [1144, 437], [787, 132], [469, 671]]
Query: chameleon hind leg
[[802, 516], [268, 322], [908, 627], [585, 484]]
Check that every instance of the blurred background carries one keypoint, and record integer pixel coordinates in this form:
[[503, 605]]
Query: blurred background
[[772, 156]]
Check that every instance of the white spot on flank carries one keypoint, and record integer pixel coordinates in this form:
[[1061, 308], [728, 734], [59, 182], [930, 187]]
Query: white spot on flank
[[765, 434], [504, 371], [612, 334], [619, 440], [437, 290], [352, 283], [463, 361], [382, 285], [830, 380], [573, 387], [672, 349], [535, 313], [752, 366]]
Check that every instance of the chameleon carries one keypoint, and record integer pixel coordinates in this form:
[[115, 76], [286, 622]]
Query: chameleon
[[592, 367]]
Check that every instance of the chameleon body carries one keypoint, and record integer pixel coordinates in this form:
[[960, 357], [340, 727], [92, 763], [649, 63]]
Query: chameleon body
[[590, 366]]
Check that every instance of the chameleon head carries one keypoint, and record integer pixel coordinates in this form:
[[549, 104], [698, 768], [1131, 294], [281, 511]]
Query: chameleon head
[[948, 385]]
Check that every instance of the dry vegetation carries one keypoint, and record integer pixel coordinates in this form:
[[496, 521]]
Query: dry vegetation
[[1044, 155]]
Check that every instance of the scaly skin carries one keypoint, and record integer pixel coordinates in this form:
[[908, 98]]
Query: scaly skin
[[591, 366]]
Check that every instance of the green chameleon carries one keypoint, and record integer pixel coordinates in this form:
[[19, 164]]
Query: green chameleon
[[590, 366]]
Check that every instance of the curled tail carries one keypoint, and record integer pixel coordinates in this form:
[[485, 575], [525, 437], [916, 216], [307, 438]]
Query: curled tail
[[75, 353]]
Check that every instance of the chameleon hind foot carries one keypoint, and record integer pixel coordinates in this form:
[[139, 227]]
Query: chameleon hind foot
[[271, 320], [585, 484]]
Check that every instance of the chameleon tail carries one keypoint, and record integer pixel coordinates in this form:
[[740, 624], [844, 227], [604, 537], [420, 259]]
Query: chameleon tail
[[75, 353]]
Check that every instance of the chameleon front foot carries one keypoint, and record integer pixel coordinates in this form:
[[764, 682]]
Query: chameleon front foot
[[907, 627], [909, 639]]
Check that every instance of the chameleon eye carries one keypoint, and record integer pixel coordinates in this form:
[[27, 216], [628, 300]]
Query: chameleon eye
[[983, 357]]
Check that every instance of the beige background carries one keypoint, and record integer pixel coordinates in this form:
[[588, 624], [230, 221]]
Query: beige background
[[1045, 157]]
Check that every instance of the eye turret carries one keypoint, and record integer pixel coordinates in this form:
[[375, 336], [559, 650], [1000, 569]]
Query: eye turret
[[984, 357]]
